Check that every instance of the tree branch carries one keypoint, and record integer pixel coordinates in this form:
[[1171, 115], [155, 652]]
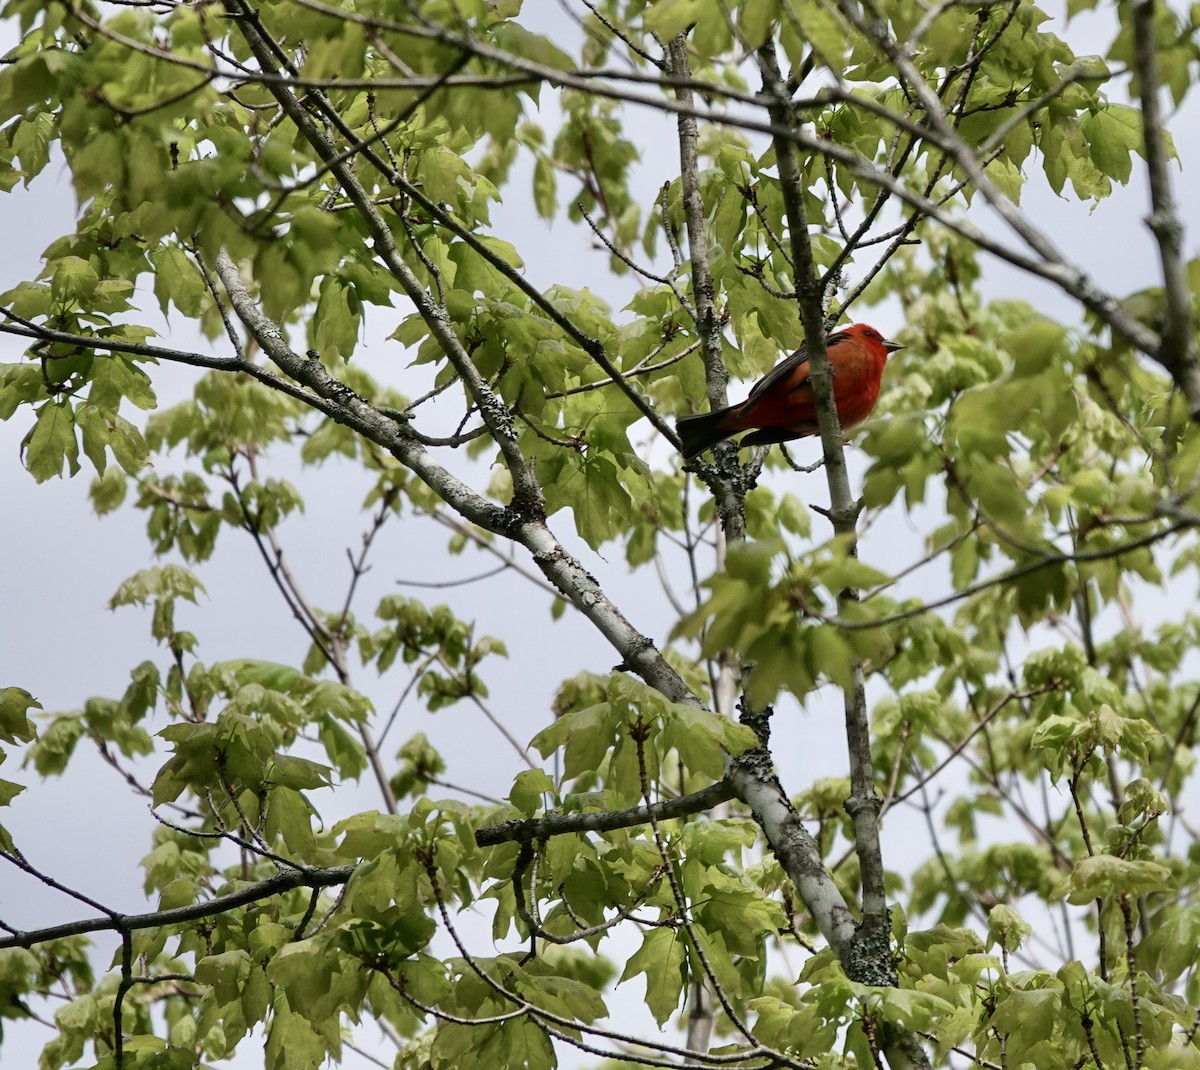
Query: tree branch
[[24, 329], [564, 571], [866, 956], [283, 881], [558, 824], [708, 325], [495, 414], [523, 521], [1178, 350]]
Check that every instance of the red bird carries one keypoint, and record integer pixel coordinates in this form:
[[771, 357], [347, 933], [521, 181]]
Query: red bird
[[782, 406]]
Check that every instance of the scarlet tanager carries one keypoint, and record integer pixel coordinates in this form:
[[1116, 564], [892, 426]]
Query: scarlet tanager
[[782, 407]]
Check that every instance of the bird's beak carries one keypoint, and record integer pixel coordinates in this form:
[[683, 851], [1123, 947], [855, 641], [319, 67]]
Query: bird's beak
[[891, 347]]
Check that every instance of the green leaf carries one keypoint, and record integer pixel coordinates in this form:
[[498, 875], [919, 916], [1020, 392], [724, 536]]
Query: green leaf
[[74, 280], [815, 26], [337, 320], [668, 18], [299, 773], [544, 188], [1102, 876], [15, 725], [51, 442], [1170, 947], [31, 143], [19, 385], [587, 735], [521, 42], [981, 422], [178, 281], [1112, 133], [912, 1009], [292, 1042], [345, 752], [116, 379], [529, 789], [662, 958], [1028, 1017], [165, 581], [1006, 927], [518, 1043], [704, 739], [755, 21]]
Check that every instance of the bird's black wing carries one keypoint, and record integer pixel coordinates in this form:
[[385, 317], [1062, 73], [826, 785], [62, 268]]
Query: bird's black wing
[[785, 367]]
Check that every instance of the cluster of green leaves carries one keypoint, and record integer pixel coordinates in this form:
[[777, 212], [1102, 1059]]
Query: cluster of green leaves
[[593, 728], [1065, 469]]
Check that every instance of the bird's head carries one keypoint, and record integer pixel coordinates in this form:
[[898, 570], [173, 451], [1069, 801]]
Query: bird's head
[[873, 338]]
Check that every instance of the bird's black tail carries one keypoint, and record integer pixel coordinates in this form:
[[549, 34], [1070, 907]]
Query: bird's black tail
[[698, 433]]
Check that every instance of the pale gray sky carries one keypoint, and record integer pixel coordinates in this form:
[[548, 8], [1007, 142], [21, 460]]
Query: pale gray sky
[[62, 564]]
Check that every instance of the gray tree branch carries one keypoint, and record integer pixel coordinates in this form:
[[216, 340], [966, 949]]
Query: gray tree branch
[[285, 880], [724, 480], [1178, 350], [557, 824], [867, 953]]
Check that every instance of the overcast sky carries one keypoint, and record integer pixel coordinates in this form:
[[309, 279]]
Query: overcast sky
[[61, 564]]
